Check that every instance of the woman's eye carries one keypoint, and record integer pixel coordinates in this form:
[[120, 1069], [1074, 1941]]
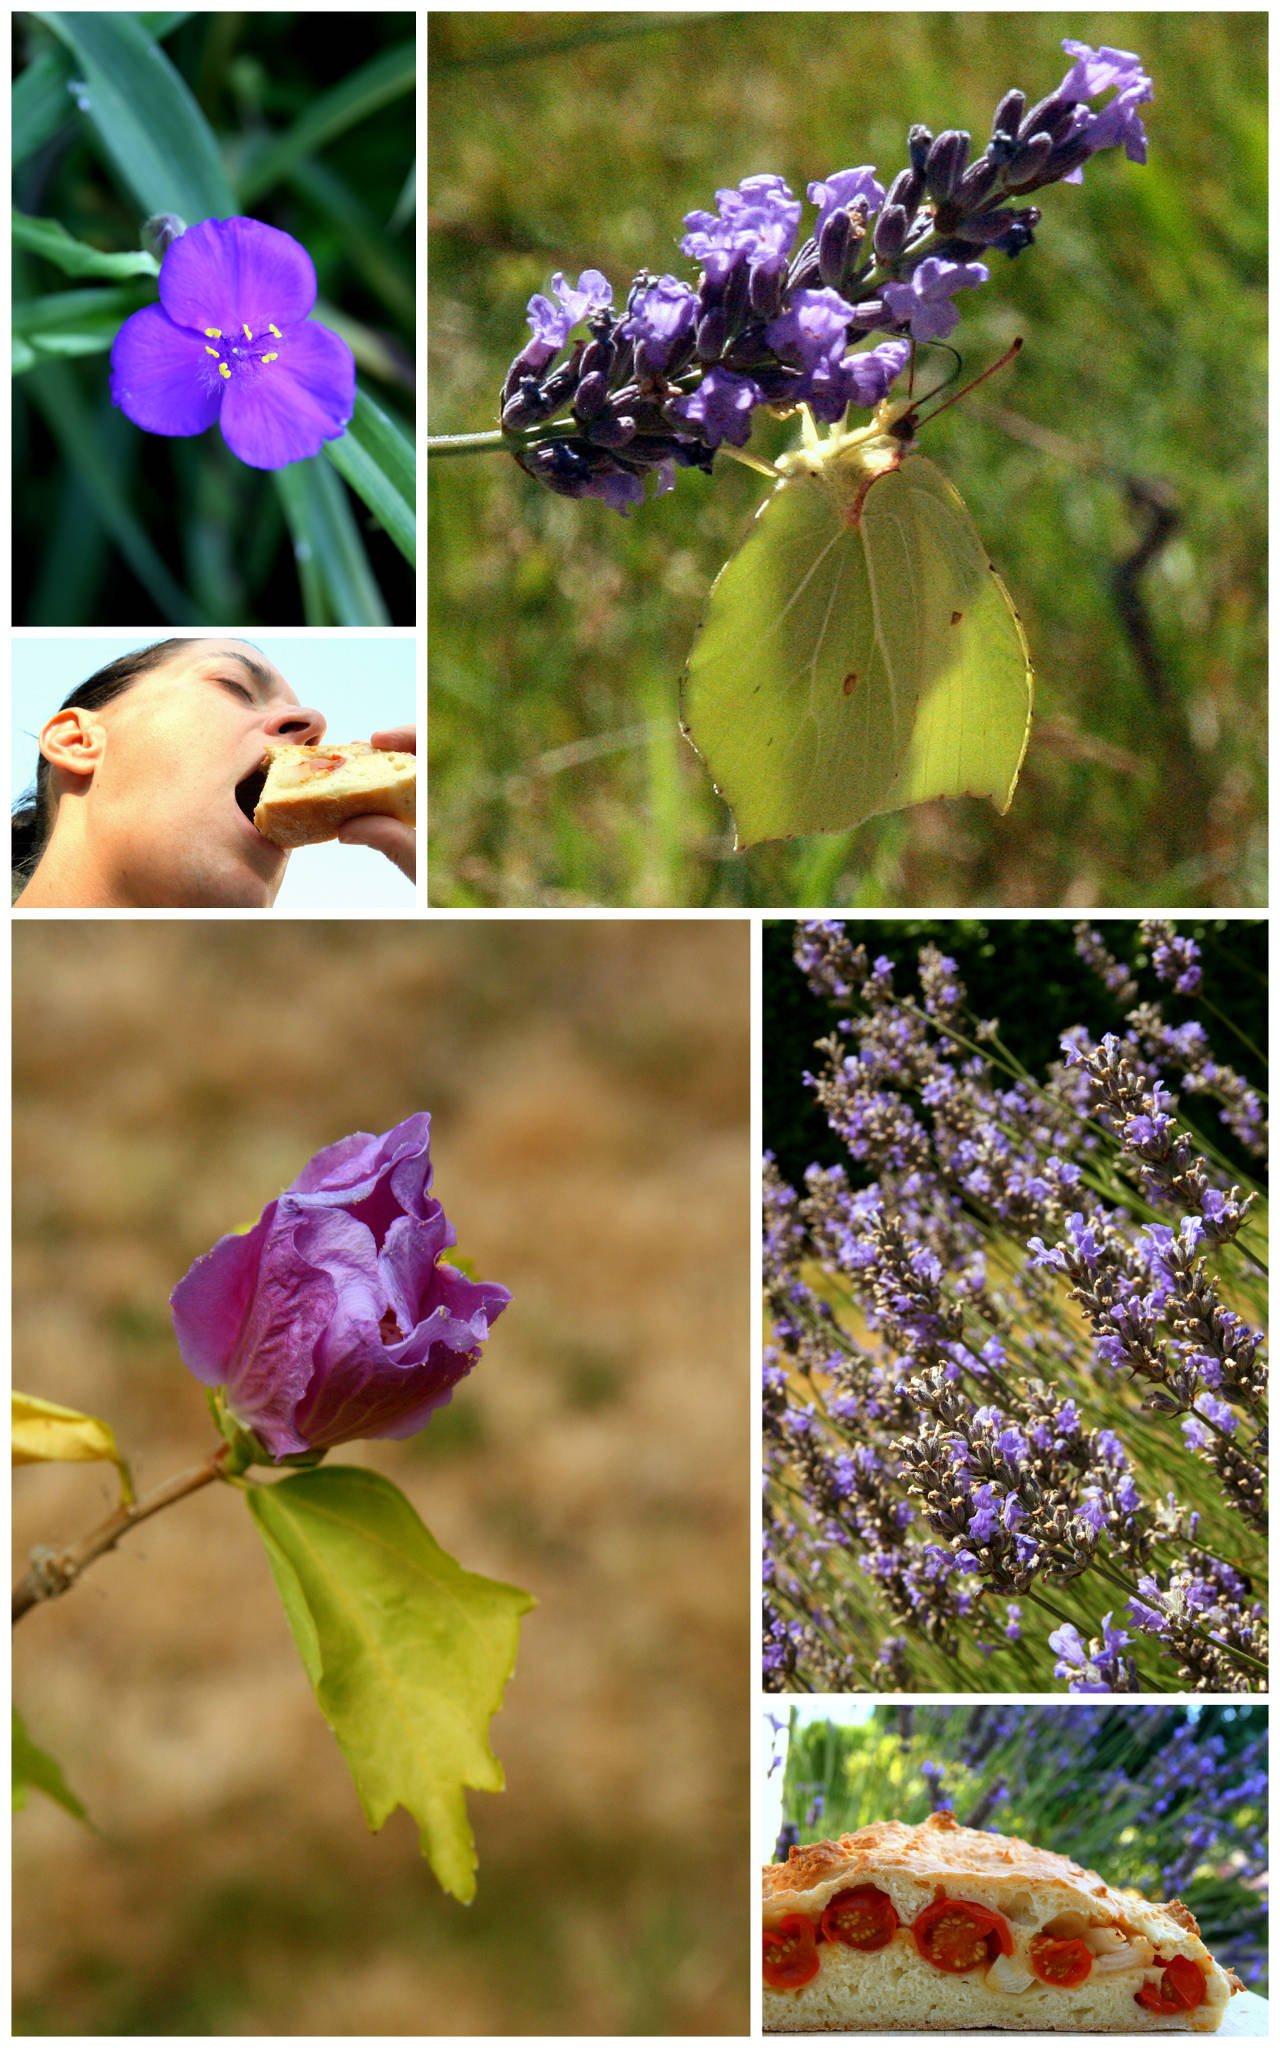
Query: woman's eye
[[239, 688]]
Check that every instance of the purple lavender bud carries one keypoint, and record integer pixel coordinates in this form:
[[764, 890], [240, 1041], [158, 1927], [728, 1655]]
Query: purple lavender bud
[[1004, 122], [764, 290], [1028, 160], [563, 466], [835, 239], [889, 235], [334, 1318], [712, 333], [945, 165], [1008, 228], [919, 142], [591, 396], [525, 408], [976, 186], [612, 430], [907, 190], [597, 359], [1053, 116], [562, 383]]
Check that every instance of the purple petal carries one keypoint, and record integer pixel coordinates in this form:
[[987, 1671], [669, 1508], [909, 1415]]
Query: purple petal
[[233, 274], [294, 405], [210, 1303], [162, 376]]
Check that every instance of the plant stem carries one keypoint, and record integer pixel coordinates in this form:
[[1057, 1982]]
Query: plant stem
[[52, 1572], [490, 443]]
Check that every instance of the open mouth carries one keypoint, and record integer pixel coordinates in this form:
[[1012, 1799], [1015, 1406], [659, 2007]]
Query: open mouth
[[249, 789]]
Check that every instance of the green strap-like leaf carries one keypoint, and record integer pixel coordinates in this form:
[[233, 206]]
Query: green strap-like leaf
[[407, 1653], [34, 1768], [41, 103], [384, 78], [145, 117], [377, 459], [80, 323], [338, 586], [48, 238], [77, 432]]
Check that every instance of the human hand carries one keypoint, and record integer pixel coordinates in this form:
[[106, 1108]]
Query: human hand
[[387, 835]]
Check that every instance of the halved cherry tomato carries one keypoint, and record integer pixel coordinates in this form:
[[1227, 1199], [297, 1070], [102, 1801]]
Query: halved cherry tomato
[[1060, 1962], [954, 1935], [861, 1918], [790, 1952], [1181, 1989]]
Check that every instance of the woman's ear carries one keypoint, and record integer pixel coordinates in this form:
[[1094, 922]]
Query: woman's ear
[[73, 739]]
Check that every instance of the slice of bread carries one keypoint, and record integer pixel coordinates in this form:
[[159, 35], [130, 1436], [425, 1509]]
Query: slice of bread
[[310, 791], [941, 1928]]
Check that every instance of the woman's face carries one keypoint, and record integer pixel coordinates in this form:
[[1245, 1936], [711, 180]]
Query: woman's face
[[178, 743]]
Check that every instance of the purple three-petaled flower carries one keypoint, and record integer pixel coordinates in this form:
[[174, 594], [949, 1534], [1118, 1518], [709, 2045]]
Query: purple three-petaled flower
[[231, 341]]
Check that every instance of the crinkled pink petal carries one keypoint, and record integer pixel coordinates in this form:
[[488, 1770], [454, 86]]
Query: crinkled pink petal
[[288, 409], [162, 377], [210, 1303], [232, 274]]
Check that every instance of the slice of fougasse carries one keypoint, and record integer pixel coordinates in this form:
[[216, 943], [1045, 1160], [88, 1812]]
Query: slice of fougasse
[[942, 1928]]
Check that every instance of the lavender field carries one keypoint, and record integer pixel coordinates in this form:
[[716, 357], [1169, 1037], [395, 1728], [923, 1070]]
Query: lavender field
[[1015, 1383]]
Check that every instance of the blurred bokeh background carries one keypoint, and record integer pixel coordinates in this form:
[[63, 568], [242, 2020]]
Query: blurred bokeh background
[[1168, 1798], [588, 1083], [560, 630], [313, 134]]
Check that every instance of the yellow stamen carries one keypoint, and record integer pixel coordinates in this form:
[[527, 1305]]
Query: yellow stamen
[[272, 358], [214, 333], [223, 371], [211, 351], [276, 332], [247, 335]]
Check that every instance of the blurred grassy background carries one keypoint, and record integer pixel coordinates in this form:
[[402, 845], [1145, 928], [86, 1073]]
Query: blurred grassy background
[[559, 630], [316, 135], [588, 1083]]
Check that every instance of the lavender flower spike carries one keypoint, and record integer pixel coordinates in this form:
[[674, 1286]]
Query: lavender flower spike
[[334, 1318], [231, 341]]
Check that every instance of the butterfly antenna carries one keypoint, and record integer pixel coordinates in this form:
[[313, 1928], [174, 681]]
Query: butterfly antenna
[[973, 383]]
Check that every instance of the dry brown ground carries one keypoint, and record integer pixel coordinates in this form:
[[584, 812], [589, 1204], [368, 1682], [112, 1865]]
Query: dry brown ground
[[588, 1083]]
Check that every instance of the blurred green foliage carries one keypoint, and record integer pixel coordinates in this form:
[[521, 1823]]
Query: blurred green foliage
[[559, 630], [1027, 973], [206, 113]]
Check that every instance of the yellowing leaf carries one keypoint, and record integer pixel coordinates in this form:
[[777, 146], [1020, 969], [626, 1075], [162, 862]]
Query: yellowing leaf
[[407, 1653], [44, 1433]]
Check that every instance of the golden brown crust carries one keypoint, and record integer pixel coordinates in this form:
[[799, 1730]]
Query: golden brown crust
[[937, 1847]]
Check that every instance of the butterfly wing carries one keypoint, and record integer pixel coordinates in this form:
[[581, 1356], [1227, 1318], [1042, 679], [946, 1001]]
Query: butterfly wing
[[858, 653]]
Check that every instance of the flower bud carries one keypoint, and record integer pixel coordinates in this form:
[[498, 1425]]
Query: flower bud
[[334, 1318]]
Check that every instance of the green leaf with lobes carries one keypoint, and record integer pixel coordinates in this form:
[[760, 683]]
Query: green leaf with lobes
[[859, 653], [407, 1653]]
